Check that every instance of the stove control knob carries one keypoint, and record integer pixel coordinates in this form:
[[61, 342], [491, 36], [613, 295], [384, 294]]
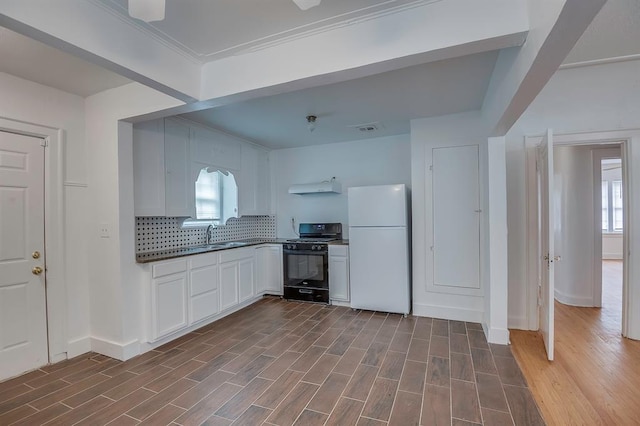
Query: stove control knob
[[313, 247]]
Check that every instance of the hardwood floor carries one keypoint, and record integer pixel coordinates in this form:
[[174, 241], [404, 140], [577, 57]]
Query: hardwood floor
[[286, 363], [595, 376]]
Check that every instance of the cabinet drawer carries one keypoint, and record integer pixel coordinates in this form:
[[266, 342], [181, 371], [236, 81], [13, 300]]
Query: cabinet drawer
[[202, 260], [168, 268], [338, 250], [236, 254]]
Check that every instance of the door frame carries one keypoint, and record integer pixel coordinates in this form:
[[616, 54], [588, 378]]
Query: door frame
[[56, 288], [631, 290]]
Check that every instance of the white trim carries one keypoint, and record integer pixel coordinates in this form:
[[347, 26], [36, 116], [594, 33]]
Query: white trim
[[121, 351], [631, 285], [303, 31], [498, 336], [448, 313], [518, 323], [78, 346], [340, 303], [567, 299], [612, 256], [75, 184], [603, 61], [54, 230]]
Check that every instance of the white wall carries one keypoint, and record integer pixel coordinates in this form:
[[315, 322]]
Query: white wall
[[116, 283], [29, 102], [452, 130], [365, 162], [574, 195], [576, 100]]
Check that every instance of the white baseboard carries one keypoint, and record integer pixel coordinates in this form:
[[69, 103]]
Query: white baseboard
[[499, 336], [448, 313], [121, 351], [78, 347], [518, 323], [340, 303], [611, 256], [147, 346], [565, 299]]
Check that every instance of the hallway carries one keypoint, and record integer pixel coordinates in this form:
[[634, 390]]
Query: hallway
[[594, 377]]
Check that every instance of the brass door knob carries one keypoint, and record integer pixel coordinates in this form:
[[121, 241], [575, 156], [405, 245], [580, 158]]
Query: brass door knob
[[36, 270]]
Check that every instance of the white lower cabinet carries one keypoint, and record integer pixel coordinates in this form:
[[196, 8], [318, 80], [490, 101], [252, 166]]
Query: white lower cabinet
[[204, 300], [169, 310], [194, 290], [229, 283], [339, 273], [269, 264]]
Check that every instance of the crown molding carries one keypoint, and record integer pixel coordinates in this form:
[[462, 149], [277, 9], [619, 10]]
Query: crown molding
[[603, 61], [325, 25]]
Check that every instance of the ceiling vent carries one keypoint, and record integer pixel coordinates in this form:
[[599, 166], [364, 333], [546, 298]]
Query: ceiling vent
[[366, 127]]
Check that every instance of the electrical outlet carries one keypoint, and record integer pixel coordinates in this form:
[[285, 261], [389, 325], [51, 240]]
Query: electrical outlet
[[105, 230]]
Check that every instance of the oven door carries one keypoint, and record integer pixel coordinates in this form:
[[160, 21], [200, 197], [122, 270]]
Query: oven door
[[306, 269]]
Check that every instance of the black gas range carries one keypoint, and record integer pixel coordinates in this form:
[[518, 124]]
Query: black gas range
[[306, 261]]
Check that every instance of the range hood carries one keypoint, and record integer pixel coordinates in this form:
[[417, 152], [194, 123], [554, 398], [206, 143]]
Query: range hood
[[325, 187]]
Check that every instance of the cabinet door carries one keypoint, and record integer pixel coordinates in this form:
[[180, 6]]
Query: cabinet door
[[168, 304], [148, 168], [246, 273], [179, 185], [247, 200], [263, 184], [274, 281], [228, 285], [269, 270], [339, 278], [203, 283]]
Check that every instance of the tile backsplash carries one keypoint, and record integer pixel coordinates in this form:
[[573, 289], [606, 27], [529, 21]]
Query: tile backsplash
[[165, 233]]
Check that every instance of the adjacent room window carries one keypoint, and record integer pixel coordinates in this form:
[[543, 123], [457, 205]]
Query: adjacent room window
[[209, 196], [611, 196]]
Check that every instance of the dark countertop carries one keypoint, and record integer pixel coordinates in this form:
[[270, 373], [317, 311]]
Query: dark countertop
[[155, 256]]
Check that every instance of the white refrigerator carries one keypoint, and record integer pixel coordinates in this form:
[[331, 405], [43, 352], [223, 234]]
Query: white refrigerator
[[379, 248]]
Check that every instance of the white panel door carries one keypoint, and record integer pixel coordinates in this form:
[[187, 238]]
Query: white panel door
[[547, 252], [456, 217], [23, 321], [169, 304]]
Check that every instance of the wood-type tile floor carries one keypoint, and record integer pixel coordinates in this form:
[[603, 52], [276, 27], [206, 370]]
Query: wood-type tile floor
[[285, 363]]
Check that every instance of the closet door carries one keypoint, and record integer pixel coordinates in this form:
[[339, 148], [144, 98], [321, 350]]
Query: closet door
[[456, 217]]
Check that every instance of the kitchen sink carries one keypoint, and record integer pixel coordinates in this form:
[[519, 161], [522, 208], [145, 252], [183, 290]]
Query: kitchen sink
[[226, 244]]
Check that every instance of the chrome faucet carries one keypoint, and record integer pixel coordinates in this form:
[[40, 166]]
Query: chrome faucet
[[209, 234]]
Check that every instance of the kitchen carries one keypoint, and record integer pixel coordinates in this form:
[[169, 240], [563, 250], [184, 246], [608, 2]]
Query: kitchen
[[99, 295], [161, 210]]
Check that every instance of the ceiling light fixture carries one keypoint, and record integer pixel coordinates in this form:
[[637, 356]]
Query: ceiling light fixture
[[306, 4], [147, 10], [311, 122]]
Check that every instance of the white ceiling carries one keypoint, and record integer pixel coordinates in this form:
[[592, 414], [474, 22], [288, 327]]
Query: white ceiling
[[207, 30], [29, 59], [391, 99], [614, 32]]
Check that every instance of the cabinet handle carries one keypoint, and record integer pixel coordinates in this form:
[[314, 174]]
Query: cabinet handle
[[303, 291]]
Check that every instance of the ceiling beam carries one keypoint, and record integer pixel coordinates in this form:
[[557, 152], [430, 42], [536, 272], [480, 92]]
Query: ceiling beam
[[93, 32], [434, 30], [520, 74]]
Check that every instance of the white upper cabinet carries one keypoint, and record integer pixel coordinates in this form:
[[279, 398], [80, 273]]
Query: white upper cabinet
[[180, 184], [148, 168], [168, 156], [253, 188], [162, 169]]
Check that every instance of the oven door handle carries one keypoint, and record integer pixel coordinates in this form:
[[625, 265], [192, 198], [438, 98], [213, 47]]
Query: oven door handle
[[305, 252]]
